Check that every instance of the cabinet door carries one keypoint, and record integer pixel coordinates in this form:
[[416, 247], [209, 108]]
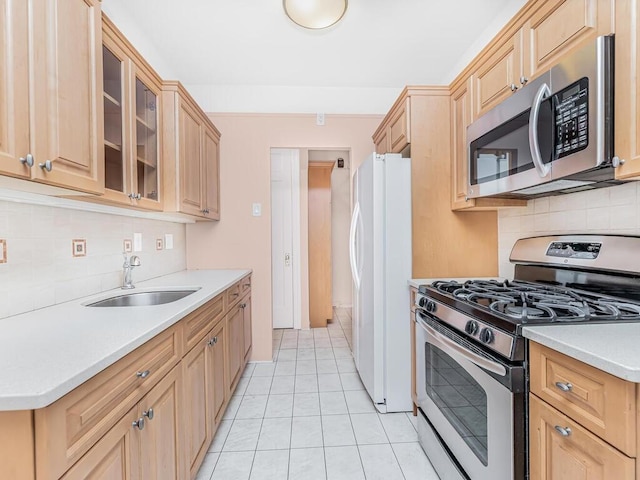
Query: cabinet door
[[627, 88], [198, 418], [381, 143], [561, 449], [218, 359], [117, 174], [211, 187], [190, 161], [14, 94], [146, 166], [236, 345], [161, 439], [499, 75], [563, 25], [461, 116], [114, 457], [246, 322], [400, 127], [67, 109]]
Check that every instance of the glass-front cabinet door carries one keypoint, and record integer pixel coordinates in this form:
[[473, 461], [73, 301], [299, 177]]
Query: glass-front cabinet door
[[146, 141], [131, 124]]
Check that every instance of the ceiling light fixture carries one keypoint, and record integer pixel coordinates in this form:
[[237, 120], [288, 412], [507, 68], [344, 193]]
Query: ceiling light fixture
[[315, 14]]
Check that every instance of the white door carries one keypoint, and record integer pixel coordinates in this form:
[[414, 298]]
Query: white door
[[282, 207]]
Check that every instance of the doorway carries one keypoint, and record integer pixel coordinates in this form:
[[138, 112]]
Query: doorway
[[290, 234]]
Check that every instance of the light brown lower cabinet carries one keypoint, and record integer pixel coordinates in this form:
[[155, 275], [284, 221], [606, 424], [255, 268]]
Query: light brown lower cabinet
[[150, 416], [145, 443], [560, 449]]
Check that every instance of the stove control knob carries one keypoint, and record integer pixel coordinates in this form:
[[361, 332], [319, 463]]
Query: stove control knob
[[430, 306], [471, 327], [487, 336]]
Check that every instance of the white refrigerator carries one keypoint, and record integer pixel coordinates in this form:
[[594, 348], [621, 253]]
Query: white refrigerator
[[380, 255]]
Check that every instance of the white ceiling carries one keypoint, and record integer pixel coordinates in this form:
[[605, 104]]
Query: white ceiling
[[240, 45]]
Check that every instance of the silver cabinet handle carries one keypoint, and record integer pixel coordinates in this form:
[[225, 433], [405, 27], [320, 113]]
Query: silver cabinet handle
[[139, 424], [27, 160], [143, 374], [48, 165], [148, 413], [565, 387], [523, 80], [212, 341], [615, 161], [137, 196], [243, 306], [564, 431], [513, 87], [234, 295]]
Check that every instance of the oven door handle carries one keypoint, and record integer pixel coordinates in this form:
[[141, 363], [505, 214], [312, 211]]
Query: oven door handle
[[438, 340]]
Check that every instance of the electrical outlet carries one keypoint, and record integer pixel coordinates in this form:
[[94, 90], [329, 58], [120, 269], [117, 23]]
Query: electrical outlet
[[168, 241], [256, 209], [137, 242]]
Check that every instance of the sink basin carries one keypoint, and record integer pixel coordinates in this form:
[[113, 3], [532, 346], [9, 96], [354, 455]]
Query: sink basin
[[143, 299]]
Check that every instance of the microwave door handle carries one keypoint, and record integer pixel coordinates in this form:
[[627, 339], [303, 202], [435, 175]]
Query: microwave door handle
[[441, 341], [542, 169]]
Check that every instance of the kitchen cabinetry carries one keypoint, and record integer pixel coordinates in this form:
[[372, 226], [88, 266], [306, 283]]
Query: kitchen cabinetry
[[394, 134], [627, 88], [245, 305], [582, 421], [151, 414], [132, 114], [191, 156], [412, 327], [436, 229], [51, 93]]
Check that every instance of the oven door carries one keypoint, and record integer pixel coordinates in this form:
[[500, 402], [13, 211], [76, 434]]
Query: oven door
[[464, 396]]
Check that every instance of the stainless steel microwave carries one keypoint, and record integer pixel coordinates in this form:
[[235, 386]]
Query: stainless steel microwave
[[555, 135]]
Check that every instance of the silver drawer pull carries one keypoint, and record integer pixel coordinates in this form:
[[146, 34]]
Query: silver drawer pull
[[564, 431], [148, 413], [27, 160], [212, 341], [48, 165], [139, 424], [565, 387], [144, 374]]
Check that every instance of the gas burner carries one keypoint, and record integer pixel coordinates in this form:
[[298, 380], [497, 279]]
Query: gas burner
[[520, 311]]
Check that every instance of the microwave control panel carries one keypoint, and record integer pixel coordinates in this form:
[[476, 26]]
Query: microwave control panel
[[571, 118]]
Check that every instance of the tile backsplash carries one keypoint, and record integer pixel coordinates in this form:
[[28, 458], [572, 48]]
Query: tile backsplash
[[41, 269], [606, 210]]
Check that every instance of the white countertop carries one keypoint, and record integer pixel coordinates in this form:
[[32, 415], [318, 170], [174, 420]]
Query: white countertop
[[612, 347], [46, 353]]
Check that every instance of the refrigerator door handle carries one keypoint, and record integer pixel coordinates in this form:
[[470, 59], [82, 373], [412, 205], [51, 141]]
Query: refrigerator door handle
[[352, 245]]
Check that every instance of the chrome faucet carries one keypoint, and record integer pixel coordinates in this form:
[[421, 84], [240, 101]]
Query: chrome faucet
[[129, 264]]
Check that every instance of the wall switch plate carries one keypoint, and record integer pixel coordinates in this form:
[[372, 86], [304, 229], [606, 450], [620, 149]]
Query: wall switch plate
[[168, 241], [320, 119], [256, 209], [137, 242]]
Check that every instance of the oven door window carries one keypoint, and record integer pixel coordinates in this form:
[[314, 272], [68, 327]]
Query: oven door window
[[459, 397]]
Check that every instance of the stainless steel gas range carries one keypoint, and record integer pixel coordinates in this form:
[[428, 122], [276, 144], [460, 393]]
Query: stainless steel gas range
[[471, 358]]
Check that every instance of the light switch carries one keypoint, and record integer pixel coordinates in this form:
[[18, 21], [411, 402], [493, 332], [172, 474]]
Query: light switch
[[168, 241], [137, 242], [320, 119], [257, 209]]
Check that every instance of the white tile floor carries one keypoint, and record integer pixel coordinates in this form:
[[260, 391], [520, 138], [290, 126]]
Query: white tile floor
[[307, 416]]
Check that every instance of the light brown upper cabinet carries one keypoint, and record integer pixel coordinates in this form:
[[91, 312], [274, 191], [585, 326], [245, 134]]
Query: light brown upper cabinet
[[50, 93], [627, 89], [394, 134], [191, 156], [132, 113], [499, 76]]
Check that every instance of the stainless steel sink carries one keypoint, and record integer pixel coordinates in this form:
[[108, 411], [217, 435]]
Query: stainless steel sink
[[143, 299]]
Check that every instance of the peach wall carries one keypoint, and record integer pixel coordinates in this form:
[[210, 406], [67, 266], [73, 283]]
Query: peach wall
[[240, 240]]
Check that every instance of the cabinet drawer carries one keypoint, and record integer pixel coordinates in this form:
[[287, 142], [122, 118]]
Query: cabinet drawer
[[68, 428], [245, 285], [233, 294], [198, 323], [561, 449], [602, 403]]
